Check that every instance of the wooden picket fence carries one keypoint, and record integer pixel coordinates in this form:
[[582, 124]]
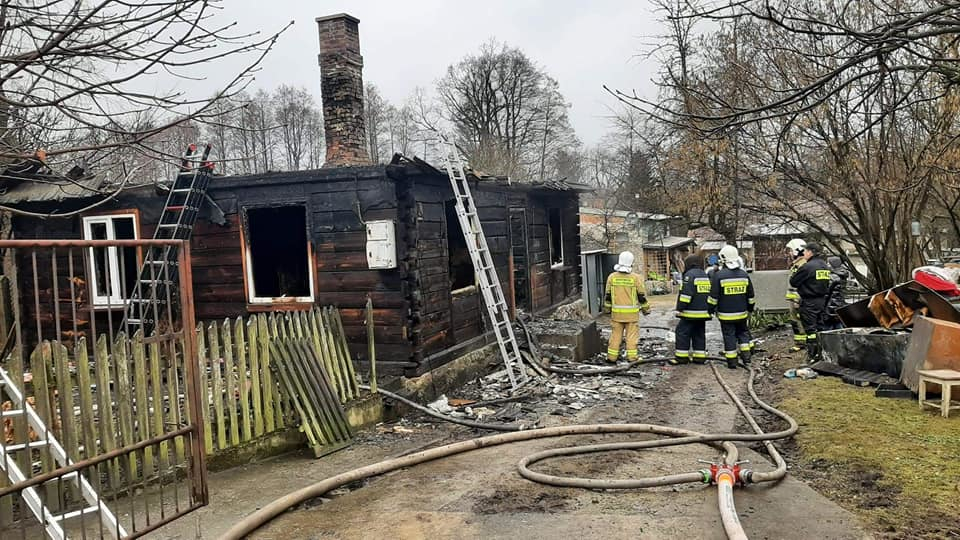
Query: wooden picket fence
[[131, 390], [235, 356]]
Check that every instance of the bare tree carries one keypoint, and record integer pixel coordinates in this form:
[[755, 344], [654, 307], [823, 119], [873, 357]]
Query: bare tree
[[70, 73], [375, 112], [292, 109], [506, 111]]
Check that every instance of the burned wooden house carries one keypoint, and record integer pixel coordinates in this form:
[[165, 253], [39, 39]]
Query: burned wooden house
[[338, 236]]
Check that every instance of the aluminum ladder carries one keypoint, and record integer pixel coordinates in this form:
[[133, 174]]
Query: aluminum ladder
[[483, 265], [52, 523], [154, 287]]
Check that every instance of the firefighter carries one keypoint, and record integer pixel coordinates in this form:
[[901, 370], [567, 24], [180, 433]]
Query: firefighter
[[624, 299], [795, 251], [812, 281], [692, 308], [836, 297], [731, 298]]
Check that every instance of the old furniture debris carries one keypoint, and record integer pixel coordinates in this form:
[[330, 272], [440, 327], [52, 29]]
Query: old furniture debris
[[934, 344], [946, 379]]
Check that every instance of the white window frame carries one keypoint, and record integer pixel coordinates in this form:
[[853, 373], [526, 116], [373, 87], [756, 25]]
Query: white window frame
[[113, 259], [252, 298], [563, 260]]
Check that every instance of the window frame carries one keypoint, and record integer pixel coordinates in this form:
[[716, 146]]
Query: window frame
[[113, 258], [466, 289], [249, 284], [563, 259]]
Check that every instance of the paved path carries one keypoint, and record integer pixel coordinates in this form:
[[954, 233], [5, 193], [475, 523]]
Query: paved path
[[480, 495]]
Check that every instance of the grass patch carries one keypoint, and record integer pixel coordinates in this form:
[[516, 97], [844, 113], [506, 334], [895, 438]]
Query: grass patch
[[915, 455]]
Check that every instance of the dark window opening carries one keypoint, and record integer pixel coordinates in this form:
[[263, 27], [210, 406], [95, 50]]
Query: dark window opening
[[129, 265], [279, 258], [458, 257], [555, 224], [521, 263]]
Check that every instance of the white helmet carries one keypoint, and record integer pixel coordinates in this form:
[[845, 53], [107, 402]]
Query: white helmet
[[624, 263], [796, 246], [729, 256]]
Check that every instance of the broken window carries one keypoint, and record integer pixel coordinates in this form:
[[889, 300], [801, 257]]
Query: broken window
[[555, 226], [113, 270], [278, 255], [458, 257]]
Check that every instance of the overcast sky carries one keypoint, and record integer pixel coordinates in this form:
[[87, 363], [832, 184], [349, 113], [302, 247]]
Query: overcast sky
[[406, 44]]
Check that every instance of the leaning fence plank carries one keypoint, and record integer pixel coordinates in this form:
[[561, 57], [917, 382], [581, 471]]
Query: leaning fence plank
[[317, 339], [65, 394], [311, 373], [337, 355], [213, 342], [347, 360], [174, 418], [308, 423], [263, 344], [156, 411], [39, 360], [336, 377], [68, 420], [230, 377], [204, 360], [88, 421], [107, 420], [240, 346], [125, 398], [280, 403], [140, 391], [253, 347]]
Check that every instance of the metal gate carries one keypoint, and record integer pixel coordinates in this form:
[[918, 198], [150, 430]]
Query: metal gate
[[124, 410]]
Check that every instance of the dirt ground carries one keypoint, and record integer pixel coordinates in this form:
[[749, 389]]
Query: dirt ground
[[480, 494]]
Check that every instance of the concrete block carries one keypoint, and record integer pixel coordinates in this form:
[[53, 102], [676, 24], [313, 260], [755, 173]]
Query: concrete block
[[770, 288], [572, 340]]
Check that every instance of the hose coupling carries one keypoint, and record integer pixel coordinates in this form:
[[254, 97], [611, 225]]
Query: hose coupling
[[725, 473]]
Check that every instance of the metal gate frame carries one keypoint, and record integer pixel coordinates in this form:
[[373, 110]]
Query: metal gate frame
[[190, 436]]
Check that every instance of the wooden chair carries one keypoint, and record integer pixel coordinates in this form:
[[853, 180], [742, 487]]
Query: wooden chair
[[947, 379]]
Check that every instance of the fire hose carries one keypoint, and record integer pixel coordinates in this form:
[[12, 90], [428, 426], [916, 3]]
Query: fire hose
[[725, 474]]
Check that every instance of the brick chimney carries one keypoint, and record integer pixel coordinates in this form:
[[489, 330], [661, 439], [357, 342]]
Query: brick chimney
[[341, 85]]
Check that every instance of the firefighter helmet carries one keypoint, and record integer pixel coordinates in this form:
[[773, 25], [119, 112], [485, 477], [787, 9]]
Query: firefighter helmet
[[624, 263], [796, 247], [729, 256]]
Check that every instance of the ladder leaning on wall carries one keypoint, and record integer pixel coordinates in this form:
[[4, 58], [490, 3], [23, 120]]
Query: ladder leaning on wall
[[483, 265], [154, 287]]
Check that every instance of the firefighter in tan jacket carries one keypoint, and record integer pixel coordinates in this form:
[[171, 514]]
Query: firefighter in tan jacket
[[624, 299]]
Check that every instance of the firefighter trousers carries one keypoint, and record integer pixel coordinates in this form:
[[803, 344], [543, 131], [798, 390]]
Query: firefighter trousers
[[811, 315], [799, 334], [619, 331], [736, 340], [691, 342]]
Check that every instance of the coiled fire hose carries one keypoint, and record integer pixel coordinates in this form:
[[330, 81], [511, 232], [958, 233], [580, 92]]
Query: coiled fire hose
[[725, 474]]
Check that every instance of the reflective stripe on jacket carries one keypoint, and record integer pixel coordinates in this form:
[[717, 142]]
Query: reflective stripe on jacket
[[731, 294], [624, 297], [692, 300], [812, 280], [792, 292]]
